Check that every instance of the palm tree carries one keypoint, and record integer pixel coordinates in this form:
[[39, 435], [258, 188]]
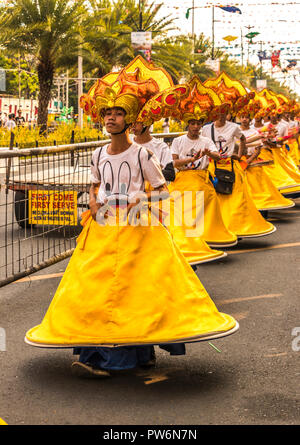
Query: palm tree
[[106, 38], [44, 29], [107, 34]]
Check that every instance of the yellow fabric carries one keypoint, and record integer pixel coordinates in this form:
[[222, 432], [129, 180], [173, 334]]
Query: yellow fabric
[[263, 192], [278, 175], [194, 248], [127, 285], [294, 151], [281, 155], [215, 231], [2, 422], [238, 209]]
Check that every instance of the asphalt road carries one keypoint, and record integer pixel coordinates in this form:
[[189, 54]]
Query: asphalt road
[[253, 377]]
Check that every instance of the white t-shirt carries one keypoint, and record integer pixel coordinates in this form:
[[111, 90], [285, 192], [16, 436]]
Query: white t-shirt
[[166, 127], [10, 124], [252, 145], [161, 151], [124, 174], [184, 147], [282, 129], [225, 137]]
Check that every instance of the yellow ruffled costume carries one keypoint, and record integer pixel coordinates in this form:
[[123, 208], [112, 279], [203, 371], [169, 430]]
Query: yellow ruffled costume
[[215, 233], [281, 156], [278, 175], [263, 192], [128, 285], [238, 209], [294, 151], [194, 248]]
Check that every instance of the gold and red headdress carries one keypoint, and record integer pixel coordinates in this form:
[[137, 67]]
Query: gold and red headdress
[[185, 102], [130, 89], [232, 93], [250, 110], [269, 98]]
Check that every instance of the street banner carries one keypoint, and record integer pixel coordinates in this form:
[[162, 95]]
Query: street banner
[[141, 40], [261, 84], [213, 64]]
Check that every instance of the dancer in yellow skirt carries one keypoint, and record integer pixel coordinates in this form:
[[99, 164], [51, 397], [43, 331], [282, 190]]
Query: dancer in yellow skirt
[[280, 153], [127, 286], [279, 177], [238, 209], [191, 154], [184, 223], [195, 249], [292, 142], [263, 192]]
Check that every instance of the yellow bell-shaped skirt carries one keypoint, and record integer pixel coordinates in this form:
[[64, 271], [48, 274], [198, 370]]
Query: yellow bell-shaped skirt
[[281, 156], [215, 232], [294, 151], [185, 233], [278, 175], [128, 285], [263, 192], [238, 209]]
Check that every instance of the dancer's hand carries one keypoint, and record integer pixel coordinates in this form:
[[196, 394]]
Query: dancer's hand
[[94, 207], [205, 152], [196, 156]]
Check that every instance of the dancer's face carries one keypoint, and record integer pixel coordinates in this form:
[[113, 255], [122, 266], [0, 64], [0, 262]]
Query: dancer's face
[[194, 127], [137, 128], [221, 118], [245, 121], [114, 120]]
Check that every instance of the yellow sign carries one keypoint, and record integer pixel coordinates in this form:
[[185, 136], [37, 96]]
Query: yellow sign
[[53, 207]]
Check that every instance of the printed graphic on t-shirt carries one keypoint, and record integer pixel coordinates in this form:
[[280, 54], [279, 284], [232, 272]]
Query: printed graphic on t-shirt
[[123, 181], [194, 164], [221, 146]]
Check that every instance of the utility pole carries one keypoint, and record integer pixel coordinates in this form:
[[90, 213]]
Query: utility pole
[[193, 26], [67, 90], [213, 33], [248, 27], [242, 47], [261, 43], [140, 17], [19, 77], [80, 92]]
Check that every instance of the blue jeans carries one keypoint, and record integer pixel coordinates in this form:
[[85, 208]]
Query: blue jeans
[[123, 357]]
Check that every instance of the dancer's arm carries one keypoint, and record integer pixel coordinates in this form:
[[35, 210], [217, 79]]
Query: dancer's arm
[[93, 204]]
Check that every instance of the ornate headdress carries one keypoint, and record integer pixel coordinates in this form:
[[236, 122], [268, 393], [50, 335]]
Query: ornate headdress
[[232, 93], [191, 100], [250, 110], [130, 89]]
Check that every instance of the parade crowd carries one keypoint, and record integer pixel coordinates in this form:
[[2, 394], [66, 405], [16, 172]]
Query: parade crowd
[[131, 287]]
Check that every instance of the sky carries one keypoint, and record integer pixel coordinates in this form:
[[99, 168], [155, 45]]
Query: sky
[[276, 21]]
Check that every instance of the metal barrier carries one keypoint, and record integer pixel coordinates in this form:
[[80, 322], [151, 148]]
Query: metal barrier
[[43, 192]]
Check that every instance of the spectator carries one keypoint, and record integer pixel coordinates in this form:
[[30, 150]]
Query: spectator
[[166, 126], [20, 121], [10, 124], [3, 119]]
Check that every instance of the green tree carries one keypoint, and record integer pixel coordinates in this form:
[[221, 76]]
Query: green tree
[[43, 29], [25, 77], [107, 33]]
